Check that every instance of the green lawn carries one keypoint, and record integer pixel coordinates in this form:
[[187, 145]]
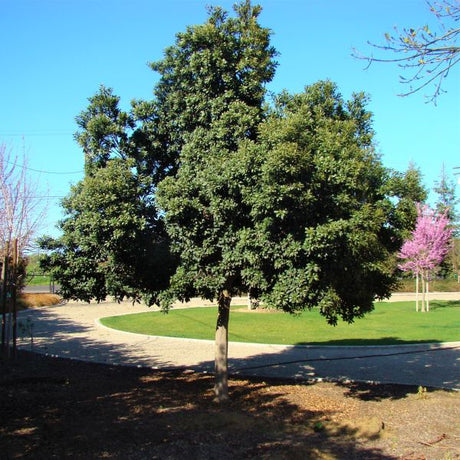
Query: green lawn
[[389, 323], [37, 280]]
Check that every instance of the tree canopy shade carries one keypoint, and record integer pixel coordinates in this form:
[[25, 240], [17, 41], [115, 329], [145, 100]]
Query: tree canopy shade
[[425, 55]]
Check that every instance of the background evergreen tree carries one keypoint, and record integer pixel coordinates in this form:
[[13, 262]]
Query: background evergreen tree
[[447, 200], [447, 203], [113, 240]]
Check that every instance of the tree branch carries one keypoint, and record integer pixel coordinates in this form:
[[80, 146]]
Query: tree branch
[[431, 54]]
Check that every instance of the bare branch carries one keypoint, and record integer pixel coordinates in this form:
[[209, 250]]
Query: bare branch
[[429, 55], [21, 211]]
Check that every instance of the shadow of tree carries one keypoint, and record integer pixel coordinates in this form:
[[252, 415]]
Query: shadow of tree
[[355, 342], [68, 409], [435, 304], [52, 334], [376, 392], [430, 365]]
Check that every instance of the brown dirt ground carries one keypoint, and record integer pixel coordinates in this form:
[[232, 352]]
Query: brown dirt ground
[[57, 408]]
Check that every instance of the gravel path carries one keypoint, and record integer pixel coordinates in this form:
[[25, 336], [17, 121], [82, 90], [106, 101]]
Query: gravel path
[[73, 331]]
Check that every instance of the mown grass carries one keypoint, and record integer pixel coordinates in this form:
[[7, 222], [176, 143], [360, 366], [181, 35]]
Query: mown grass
[[389, 323]]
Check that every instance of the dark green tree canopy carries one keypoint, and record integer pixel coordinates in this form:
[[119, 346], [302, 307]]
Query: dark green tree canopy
[[320, 231], [113, 240], [209, 97], [405, 189], [213, 85], [104, 130], [212, 67], [113, 243]]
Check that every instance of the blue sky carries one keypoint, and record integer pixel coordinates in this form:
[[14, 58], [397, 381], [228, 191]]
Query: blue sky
[[54, 54]]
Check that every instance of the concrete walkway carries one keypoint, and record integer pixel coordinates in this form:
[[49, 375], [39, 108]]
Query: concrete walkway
[[73, 331]]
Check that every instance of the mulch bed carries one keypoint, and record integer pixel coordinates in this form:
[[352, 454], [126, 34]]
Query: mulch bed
[[58, 408]]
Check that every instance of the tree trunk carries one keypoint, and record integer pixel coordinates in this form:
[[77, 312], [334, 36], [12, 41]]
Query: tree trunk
[[253, 302], [427, 295], [14, 294], [423, 292], [3, 298], [221, 347], [416, 292]]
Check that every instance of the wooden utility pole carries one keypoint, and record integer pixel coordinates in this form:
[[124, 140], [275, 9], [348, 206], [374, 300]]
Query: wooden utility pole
[[13, 294], [4, 286], [9, 276]]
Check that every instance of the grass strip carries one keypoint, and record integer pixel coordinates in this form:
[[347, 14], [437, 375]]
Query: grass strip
[[389, 324]]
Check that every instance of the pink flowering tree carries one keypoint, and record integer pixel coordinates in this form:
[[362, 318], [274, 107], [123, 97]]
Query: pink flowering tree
[[426, 249]]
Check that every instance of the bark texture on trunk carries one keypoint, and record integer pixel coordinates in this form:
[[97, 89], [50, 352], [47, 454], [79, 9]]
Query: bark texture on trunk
[[221, 347], [427, 295]]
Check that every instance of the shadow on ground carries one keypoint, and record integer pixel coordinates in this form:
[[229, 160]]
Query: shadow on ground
[[67, 409], [435, 304], [49, 333], [368, 342]]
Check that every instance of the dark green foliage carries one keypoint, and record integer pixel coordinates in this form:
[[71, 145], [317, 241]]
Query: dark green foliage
[[113, 241], [212, 75], [103, 130], [405, 189], [211, 91], [321, 230]]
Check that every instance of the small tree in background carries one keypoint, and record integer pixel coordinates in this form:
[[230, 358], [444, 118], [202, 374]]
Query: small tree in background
[[426, 249], [446, 199], [22, 211]]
